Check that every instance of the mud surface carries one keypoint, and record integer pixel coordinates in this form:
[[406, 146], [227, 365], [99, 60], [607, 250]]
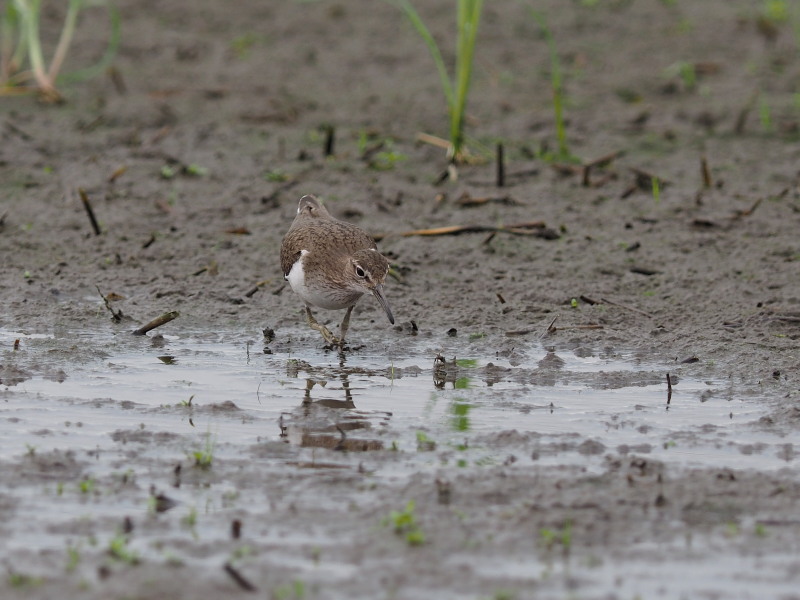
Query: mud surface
[[529, 476]]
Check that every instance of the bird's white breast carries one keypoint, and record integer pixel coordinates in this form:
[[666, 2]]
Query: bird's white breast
[[297, 281]]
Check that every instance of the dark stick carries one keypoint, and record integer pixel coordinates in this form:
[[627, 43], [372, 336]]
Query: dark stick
[[239, 578], [157, 322], [706, 172], [330, 137], [501, 167], [88, 206], [116, 315], [669, 389]]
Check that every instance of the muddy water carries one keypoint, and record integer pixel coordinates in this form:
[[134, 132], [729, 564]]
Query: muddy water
[[240, 391], [100, 426]]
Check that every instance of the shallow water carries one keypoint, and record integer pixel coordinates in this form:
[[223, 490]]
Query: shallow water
[[97, 423], [572, 406]]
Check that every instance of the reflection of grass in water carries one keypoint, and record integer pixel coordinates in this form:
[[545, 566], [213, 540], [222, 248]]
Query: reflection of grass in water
[[460, 420]]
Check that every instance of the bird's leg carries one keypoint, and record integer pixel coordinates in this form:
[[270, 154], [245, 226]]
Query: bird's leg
[[345, 325], [312, 322]]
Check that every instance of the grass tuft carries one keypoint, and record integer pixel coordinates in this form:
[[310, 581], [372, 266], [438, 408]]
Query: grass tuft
[[22, 64], [468, 15]]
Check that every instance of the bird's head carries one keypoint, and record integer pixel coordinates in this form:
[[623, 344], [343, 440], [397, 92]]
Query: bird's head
[[367, 270]]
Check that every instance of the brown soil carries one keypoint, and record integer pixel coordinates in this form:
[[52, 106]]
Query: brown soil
[[696, 271]]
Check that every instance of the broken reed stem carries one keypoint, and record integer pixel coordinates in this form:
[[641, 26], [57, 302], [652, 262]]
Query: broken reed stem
[[706, 172], [669, 389], [116, 315], [501, 167], [157, 322], [88, 206], [240, 579], [537, 228], [330, 138]]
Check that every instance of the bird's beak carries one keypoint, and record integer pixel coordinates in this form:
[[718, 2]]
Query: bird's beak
[[377, 291]]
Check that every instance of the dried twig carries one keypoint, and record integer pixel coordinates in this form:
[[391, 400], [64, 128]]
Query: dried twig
[[116, 315], [625, 306], [597, 162], [748, 211], [157, 322], [468, 201], [550, 328], [501, 167], [88, 206], [330, 138], [705, 172], [256, 287], [535, 228], [669, 389], [240, 579]]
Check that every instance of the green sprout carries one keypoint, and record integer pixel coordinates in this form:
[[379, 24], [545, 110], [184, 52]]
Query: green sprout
[[468, 14], [562, 537], [196, 170], [86, 486], [205, 456], [21, 44], [119, 550], [73, 558], [557, 85], [405, 523]]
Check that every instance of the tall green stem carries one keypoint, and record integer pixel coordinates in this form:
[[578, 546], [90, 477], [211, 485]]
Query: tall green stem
[[468, 18]]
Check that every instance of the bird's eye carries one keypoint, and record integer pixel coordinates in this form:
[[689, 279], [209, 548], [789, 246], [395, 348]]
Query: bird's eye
[[360, 272]]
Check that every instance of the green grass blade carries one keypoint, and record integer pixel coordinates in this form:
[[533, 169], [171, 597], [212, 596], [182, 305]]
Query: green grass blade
[[468, 18], [108, 56], [557, 85], [67, 31], [433, 47]]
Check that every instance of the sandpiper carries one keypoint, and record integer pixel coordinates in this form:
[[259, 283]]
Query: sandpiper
[[331, 264]]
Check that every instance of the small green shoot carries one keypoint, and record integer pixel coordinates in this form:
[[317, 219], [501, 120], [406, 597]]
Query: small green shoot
[[294, 591], [86, 486], [765, 115], [21, 580], [118, 550], [557, 85], [276, 176], [73, 558], [386, 160], [405, 523], [205, 456], [552, 537], [656, 189], [168, 172], [424, 443], [241, 45], [195, 170], [574, 303]]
